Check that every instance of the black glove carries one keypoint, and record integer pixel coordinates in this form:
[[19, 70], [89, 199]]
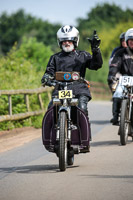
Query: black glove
[[112, 79], [95, 42], [47, 80]]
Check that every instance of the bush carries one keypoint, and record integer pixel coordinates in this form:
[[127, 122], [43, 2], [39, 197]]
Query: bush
[[22, 69]]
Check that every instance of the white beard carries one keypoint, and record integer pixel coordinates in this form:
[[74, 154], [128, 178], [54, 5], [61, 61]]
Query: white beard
[[68, 49]]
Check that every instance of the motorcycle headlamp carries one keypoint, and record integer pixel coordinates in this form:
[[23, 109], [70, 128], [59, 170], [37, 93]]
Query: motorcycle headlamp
[[75, 76]]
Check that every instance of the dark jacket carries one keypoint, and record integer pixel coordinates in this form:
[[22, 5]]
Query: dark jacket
[[115, 50], [75, 61], [122, 63]]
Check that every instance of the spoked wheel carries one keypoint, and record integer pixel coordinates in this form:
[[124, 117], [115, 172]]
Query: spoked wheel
[[124, 122], [63, 142]]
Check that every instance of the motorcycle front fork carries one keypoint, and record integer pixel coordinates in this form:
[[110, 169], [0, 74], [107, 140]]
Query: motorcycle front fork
[[68, 127], [130, 109]]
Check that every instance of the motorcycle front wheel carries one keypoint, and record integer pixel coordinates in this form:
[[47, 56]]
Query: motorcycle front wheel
[[63, 141], [124, 122]]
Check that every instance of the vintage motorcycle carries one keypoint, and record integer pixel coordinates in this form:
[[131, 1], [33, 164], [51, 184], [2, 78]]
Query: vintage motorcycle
[[65, 127], [126, 118]]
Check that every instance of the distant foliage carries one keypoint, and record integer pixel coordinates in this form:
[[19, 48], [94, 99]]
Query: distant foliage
[[109, 21], [13, 27], [26, 44], [105, 18], [110, 37], [23, 68]]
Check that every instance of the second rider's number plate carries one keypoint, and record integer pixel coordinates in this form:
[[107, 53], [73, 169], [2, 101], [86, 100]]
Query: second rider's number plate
[[126, 80], [63, 94]]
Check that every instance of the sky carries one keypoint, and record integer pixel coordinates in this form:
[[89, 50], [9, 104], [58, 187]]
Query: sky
[[58, 11]]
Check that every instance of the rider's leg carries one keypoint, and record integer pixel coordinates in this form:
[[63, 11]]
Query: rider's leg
[[116, 110], [117, 96], [83, 105], [83, 102]]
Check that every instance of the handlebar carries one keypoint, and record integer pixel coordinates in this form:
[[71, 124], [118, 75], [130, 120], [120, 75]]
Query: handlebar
[[63, 84], [55, 82]]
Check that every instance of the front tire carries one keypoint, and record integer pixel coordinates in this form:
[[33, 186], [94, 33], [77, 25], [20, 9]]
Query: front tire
[[63, 141], [124, 122]]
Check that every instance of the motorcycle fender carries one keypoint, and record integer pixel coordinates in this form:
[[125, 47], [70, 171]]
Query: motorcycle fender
[[48, 130], [63, 108], [81, 135], [84, 126]]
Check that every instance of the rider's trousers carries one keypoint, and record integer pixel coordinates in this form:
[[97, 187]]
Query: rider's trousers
[[119, 92], [83, 103]]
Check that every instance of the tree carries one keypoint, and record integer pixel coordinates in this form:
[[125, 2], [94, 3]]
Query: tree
[[12, 28], [102, 17], [15, 26], [27, 64]]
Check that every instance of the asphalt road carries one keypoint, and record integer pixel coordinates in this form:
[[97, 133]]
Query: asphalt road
[[29, 172]]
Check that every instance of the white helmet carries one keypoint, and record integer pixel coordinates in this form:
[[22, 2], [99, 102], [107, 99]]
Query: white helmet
[[129, 34], [68, 33]]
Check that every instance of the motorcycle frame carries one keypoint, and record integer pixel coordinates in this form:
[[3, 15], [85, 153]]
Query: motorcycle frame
[[50, 128]]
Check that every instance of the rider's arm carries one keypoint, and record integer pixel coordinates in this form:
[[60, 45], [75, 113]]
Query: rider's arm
[[50, 69], [114, 67], [96, 59], [47, 80], [49, 73]]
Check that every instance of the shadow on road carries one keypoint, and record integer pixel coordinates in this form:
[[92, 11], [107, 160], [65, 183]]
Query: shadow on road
[[109, 143], [33, 169], [100, 122], [110, 176], [105, 143]]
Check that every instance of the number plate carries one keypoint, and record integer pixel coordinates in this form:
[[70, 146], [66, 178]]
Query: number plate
[[63, 94], [126, 80]]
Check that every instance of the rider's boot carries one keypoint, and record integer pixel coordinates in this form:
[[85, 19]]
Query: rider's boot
[[70, 156], [85, 149], [83, 103], [116, 110]]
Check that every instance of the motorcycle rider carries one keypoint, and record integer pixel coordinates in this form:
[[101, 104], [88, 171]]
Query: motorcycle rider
[[123, 44], [122, 63], [70, 59]]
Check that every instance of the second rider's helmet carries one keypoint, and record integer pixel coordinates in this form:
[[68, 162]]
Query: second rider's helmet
[[122, 36], [69, 33]]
